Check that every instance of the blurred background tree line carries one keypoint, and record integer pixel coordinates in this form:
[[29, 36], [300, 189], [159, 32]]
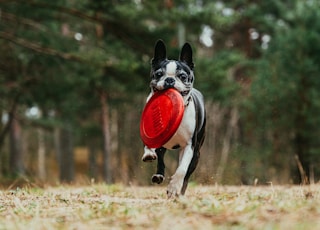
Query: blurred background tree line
[[74, 78]]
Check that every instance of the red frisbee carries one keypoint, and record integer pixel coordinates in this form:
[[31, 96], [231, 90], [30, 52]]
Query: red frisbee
[[161, 117]]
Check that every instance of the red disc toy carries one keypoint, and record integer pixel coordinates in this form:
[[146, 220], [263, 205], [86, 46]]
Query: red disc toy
[[161, 117]]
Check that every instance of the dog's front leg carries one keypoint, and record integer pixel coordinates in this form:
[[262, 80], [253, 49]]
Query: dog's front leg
[[159, 176], [175, 185], [151, 154]]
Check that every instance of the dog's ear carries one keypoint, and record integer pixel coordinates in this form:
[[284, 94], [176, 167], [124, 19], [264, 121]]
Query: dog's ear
[[160, 52], [186, 55]]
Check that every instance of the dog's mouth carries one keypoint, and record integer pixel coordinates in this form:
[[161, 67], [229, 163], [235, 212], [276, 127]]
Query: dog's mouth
[[154, 89], [183, 93]]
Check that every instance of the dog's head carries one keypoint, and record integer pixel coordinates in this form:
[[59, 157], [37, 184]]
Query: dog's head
[[171, 73]]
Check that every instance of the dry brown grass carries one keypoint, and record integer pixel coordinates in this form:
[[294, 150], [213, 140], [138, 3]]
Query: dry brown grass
[[119, 207]]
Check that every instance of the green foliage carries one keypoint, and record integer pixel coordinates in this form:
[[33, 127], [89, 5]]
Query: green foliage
[[61, 55], [216, 77], [287, 83]]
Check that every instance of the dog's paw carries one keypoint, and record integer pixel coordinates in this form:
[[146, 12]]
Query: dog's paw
[[157, 178], [174, 187], [149, 156]]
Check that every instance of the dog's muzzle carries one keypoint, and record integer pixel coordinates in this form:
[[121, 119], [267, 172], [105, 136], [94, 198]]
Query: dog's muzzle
[[169, 83]]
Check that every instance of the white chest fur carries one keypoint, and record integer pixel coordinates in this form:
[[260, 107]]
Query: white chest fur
[[183, 135]]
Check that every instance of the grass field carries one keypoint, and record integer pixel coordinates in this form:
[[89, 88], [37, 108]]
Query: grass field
[[119, 207]]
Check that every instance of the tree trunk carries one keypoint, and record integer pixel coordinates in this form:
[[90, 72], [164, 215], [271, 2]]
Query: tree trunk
[[181, 34], [57, 148], [66, 158], [302, 159], [302, 138], [16, 166], [107, 176], [41, 155], [92, 158], [5, 129], [227, 142]]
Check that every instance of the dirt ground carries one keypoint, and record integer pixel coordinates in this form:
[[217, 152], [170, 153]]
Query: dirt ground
[[102, 206]]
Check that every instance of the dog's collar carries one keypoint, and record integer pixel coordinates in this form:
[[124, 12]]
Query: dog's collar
[[188, 101], [185, 93]]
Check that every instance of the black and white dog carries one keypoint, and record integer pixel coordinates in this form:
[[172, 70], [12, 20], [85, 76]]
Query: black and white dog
[[190, 135]]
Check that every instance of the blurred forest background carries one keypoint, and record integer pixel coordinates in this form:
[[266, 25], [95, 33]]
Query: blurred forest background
[[74, 77]]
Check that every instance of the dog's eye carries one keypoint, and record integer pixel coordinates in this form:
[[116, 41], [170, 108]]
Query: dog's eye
[[183, 76], [158, 74]]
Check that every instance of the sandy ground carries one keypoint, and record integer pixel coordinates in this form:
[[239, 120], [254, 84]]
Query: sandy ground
[[120, 207]]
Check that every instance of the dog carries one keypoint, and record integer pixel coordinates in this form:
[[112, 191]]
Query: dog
[[190, 134]]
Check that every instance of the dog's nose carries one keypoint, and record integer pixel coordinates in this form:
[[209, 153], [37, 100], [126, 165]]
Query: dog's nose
[[169, 82]]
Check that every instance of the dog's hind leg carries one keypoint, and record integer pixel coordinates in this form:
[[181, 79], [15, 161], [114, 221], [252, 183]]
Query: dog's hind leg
[[159, 176]]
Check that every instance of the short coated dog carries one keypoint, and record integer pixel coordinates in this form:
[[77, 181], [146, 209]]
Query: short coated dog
[[190, 135]]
